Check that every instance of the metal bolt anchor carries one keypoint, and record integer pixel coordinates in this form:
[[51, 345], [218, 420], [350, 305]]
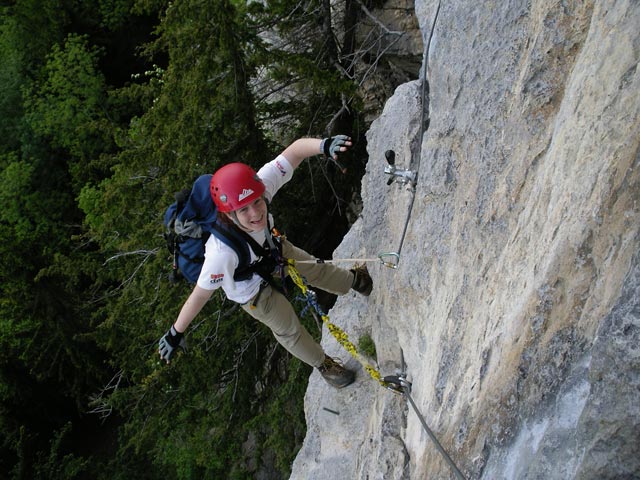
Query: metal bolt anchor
[[399, 175]]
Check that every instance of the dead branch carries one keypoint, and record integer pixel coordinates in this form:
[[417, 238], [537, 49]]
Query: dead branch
[[102, 407], [134, 252]]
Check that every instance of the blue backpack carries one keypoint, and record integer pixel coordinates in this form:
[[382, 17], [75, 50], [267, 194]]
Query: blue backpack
[[191, 219]]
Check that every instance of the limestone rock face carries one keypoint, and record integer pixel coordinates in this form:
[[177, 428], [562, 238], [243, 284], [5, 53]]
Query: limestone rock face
[[516, 301]]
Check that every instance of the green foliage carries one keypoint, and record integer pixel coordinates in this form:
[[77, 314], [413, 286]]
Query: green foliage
[[11, 78], [35, 25], [15, 192], [90, 202], [114, 13], [67, 107], [58, 465], [69, 97], [286, 399], [91, 150], [367, 346]]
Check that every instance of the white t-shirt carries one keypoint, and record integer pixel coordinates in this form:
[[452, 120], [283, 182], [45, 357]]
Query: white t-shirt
[[220, 261]]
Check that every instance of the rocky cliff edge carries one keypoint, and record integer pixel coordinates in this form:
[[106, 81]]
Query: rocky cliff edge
[[516, 301]]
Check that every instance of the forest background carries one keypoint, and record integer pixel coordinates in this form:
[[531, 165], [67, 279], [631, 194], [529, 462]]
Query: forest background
[[107, 108]]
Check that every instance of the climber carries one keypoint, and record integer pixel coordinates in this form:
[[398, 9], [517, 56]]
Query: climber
[[242, 196]]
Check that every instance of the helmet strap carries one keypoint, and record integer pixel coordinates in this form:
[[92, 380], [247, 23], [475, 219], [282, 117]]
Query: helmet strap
[[234, 217]]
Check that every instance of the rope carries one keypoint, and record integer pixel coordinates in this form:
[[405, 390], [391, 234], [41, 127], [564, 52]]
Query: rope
[[424, 126], [399, 384], [339, 260], [406, 223], [339, 334], [388, 259], [394, 383], [434, 439]]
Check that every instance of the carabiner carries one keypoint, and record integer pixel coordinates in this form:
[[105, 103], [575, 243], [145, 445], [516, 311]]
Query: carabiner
[[397, 384], [394, 259]]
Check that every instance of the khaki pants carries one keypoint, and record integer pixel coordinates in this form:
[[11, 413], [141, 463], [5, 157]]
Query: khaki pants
[[274, 310]]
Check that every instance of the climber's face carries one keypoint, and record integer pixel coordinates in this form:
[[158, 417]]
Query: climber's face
[[253, 216]]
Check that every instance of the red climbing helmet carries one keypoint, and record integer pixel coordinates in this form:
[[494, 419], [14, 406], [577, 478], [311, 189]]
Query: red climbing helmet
[[234, 186]]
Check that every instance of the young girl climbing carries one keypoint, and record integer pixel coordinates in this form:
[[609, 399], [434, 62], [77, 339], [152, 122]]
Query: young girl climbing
[[242, 196]]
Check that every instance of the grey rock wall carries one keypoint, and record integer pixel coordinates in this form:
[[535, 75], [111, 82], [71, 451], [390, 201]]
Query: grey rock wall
[[516, 301]]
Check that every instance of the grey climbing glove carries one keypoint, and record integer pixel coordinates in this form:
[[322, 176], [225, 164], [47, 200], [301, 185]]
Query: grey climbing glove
[[331, 146], [169, 342]]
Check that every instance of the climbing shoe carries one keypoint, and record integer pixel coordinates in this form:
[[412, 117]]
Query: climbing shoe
[[335, 374], [362, 282]]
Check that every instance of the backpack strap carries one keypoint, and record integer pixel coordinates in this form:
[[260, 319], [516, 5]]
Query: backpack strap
[[241, 242], [238, 244], [200, 209], [271, 261]]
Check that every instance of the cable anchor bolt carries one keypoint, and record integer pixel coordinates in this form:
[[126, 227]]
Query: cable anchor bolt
[[398, 175], [397, 383]]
